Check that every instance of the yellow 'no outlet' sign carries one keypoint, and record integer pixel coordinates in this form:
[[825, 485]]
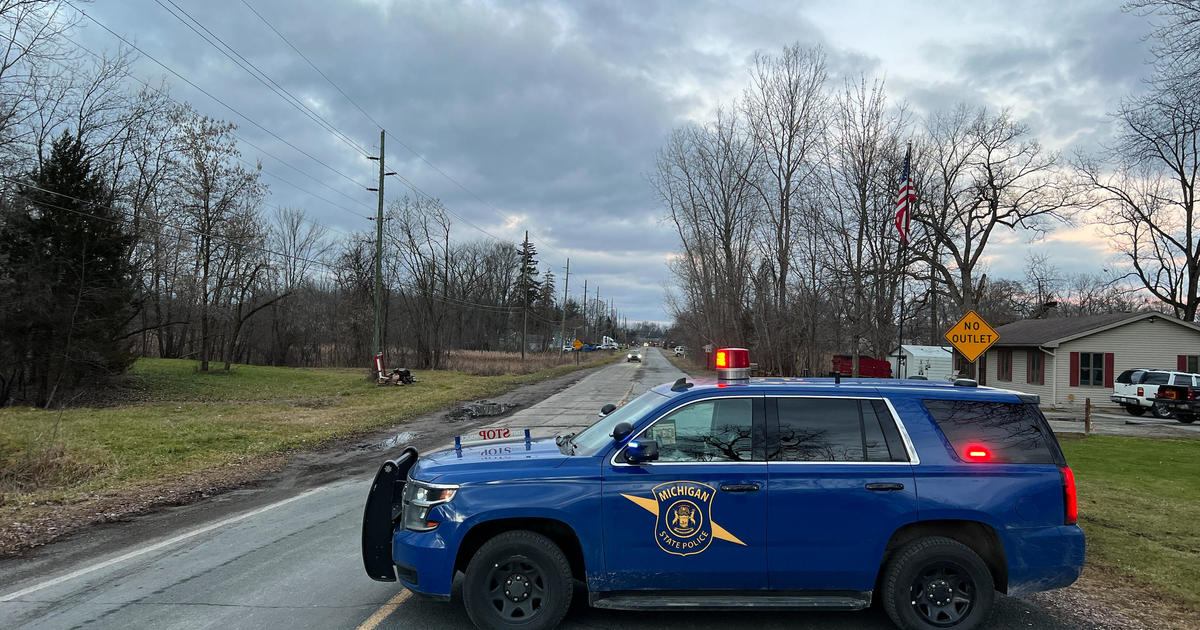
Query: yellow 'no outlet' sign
[[971, 336]]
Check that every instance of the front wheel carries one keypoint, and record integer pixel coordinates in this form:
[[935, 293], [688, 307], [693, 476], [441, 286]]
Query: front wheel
[[518, 579], [1135, 410], [937, 582]]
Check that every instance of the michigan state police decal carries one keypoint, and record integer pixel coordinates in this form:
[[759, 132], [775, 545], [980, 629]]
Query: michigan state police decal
[[684, 524]]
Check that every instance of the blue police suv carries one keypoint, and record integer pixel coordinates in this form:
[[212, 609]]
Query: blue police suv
[[738, 493]]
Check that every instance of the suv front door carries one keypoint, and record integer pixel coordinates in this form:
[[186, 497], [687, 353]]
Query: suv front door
[[840, 483], [696, 517]]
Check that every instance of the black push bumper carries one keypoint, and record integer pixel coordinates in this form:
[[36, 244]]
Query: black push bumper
[[380, 513]]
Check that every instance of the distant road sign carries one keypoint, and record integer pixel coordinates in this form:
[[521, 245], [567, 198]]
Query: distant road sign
[[577, 345], [971, 336]]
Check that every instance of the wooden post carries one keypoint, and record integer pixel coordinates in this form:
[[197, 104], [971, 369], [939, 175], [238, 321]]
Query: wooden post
[[1087, 416]]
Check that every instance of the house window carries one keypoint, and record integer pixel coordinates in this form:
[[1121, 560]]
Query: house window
[[1035, 367], [1004, 365], [1091, 369], [1193, 363]]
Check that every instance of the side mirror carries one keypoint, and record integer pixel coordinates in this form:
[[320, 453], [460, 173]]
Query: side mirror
[[622, 431], [607, 409], [641, 451]]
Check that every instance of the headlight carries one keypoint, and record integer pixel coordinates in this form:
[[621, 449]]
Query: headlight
[[419, 499]]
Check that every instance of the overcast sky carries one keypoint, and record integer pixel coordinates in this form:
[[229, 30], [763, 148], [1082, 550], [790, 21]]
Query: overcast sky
[[550, 114]]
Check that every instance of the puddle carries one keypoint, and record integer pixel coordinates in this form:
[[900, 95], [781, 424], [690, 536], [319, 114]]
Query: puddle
[[398, 440], [480, 409]]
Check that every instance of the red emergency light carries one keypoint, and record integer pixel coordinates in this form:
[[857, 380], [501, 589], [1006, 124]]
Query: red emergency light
[[733, 364], [977, 453]]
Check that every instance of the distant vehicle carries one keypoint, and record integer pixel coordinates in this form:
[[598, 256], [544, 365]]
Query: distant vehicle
[[1136, 390], [568, 348], [867, 367], [634, 355], [680, 351], [608, 343]]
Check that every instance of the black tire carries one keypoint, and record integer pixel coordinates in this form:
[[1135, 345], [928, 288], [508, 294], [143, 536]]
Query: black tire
[[1161, 411], [935, 583], [1135, 410], [1185, 418], [521, 565]]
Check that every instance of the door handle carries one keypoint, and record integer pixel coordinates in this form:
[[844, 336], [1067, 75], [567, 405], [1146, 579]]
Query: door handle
[[885, 487], [739, 487]]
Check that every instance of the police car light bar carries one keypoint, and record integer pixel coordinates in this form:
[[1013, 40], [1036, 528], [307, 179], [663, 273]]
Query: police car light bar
[[733, 364]]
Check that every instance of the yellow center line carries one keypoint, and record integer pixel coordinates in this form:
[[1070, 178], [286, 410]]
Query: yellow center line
[[384, 610]]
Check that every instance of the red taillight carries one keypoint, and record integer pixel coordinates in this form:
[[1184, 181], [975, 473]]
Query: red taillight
[[1141, 392], [977, 453], [1069, 499]]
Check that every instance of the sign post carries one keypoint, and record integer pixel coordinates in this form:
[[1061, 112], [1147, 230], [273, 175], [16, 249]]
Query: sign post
[[972, 337]]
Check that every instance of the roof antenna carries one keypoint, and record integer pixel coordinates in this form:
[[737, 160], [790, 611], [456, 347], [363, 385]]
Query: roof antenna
[[681, 385], [837, 377]]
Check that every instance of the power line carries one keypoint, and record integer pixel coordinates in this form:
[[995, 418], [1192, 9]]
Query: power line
[[240, 137], [261, 76], [214, 98], [313, 66]]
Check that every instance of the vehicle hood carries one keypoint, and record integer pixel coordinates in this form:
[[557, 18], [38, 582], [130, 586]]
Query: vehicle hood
[[488, 462]]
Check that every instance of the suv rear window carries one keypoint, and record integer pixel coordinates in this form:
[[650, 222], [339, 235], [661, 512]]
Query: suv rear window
[[1012, 432], [1156, 378]]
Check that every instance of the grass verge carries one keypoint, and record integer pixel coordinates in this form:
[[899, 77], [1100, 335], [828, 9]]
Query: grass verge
[[1139, 504], [180, 422]]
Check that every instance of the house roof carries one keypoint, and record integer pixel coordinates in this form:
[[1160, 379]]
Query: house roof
[[926, 352], [1051, 332]]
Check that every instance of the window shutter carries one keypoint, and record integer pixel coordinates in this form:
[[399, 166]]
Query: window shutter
[[1029, 366], [1181, 362], [1074, 369], [1109, 365]]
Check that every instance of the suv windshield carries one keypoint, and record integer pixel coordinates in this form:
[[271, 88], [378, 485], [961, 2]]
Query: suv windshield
[[592, 439]]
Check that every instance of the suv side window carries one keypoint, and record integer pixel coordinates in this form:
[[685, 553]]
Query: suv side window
[[837, 430], [1011, 432], [706, 431], [1126, 377], [1156, 378]]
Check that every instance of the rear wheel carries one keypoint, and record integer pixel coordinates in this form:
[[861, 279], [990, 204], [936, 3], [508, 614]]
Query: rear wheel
[[1186, 418], [518, 579], [937, 582], [1162, 411], [1135, 410]]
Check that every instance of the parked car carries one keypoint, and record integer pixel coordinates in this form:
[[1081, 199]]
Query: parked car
[[1136, 390], [680, 351], [1183, 400], [717, 494], [634, 354]]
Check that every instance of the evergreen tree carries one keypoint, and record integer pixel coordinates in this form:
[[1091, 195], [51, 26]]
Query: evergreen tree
[[527, 282], [67, 250]]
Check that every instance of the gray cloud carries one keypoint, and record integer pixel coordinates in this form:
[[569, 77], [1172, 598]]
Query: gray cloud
[[554, 111]]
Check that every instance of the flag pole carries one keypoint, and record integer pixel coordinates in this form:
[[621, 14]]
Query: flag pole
[[900, 358]]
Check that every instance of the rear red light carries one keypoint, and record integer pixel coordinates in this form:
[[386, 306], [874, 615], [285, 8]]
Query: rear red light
[[977, 453], [1070, 500], [1141, 392]]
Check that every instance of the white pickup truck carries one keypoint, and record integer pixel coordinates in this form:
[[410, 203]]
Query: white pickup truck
[[1135, 389]]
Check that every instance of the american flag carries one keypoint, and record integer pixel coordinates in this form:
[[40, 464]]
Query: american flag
[[908, 196]]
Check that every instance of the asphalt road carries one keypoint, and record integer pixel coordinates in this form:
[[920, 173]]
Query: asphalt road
[[294, 562]]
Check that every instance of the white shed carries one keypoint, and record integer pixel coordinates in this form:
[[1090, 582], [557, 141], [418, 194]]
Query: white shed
[[935, 363]]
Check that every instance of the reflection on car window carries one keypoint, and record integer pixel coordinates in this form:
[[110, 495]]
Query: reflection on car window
[[599, 435], [823, 430], [1011, 432], [708, 431], [1156, 378]]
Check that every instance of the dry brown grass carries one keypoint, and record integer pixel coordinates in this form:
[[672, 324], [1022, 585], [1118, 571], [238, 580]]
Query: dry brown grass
[[492, 363]]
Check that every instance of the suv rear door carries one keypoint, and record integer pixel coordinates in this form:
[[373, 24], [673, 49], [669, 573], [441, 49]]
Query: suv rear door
[[840, 482]]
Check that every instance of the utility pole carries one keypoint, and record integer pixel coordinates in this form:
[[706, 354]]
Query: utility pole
[[586, 321], [562, 328], [379, 258], [524, 297]]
